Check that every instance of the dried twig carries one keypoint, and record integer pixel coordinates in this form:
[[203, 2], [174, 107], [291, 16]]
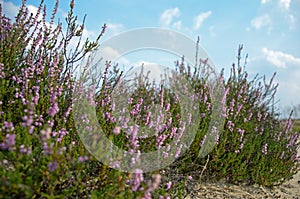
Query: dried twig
[[205, 166]]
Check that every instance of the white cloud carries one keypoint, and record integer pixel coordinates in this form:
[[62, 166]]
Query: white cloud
[[280, 59], [9, 9], [156, 71], [32, 9], [264, 1], [110, 54], [114, 28], [177, 25], [167, 16], [200, 19], [285, 4], [292, 21], [261, 21]]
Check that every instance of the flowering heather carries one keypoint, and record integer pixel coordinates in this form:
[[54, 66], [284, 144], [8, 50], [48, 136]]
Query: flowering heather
[[41, 153]]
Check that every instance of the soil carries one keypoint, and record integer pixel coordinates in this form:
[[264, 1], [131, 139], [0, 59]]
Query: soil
[[289, 190]]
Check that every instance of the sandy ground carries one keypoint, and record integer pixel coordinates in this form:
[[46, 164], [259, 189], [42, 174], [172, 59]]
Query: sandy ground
[[290, 189]]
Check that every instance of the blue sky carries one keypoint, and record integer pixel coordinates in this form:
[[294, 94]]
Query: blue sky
[[268, 29]]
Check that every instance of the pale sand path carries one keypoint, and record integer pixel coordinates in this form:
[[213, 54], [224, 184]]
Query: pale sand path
[[290, 189]]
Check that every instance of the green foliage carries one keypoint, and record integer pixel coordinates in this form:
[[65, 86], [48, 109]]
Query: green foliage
[[254, 146], [42, 156]]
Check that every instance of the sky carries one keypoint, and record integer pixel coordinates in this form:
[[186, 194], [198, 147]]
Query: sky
[[269, 30]]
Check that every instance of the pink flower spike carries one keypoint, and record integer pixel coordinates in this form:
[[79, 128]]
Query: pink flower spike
[[117, 130], [169, 184]]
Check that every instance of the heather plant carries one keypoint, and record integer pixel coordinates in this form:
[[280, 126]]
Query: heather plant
[[122, 121], [254, 146], [42, 154]]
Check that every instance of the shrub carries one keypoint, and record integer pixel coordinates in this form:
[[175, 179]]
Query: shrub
[[254, 145], [42, 155]]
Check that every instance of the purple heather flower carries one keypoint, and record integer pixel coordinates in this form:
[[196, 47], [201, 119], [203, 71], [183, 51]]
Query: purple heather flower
[[31, 128], [25, 150], [259, 115], [110, 117], [169, 184], [117, 130], [52, 166], [5, 161], [250, 116], [282, 154], [47, 150], [178, 151], [225, 95], [28, 120], [232, 104], [165, 154], [85, 119], [54, 133], [168, 106], [130, 100], [82, 159], [289, 123], [169, 122], [46, 134], [217, 137], [138, 178], [203, 141], [116, 165], [9, 142], [181, 131], [205, 98], [135, 130], [242, 145], [68, 111], [230, 125], [147, 194], [89, 128], [242, 133], [160, 140], [190, 177], [50, 122], [239, 107], [148, 117], [292, 141], [208, 105], [53, 110], [62, 133], [9, 126], [125, 122]]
